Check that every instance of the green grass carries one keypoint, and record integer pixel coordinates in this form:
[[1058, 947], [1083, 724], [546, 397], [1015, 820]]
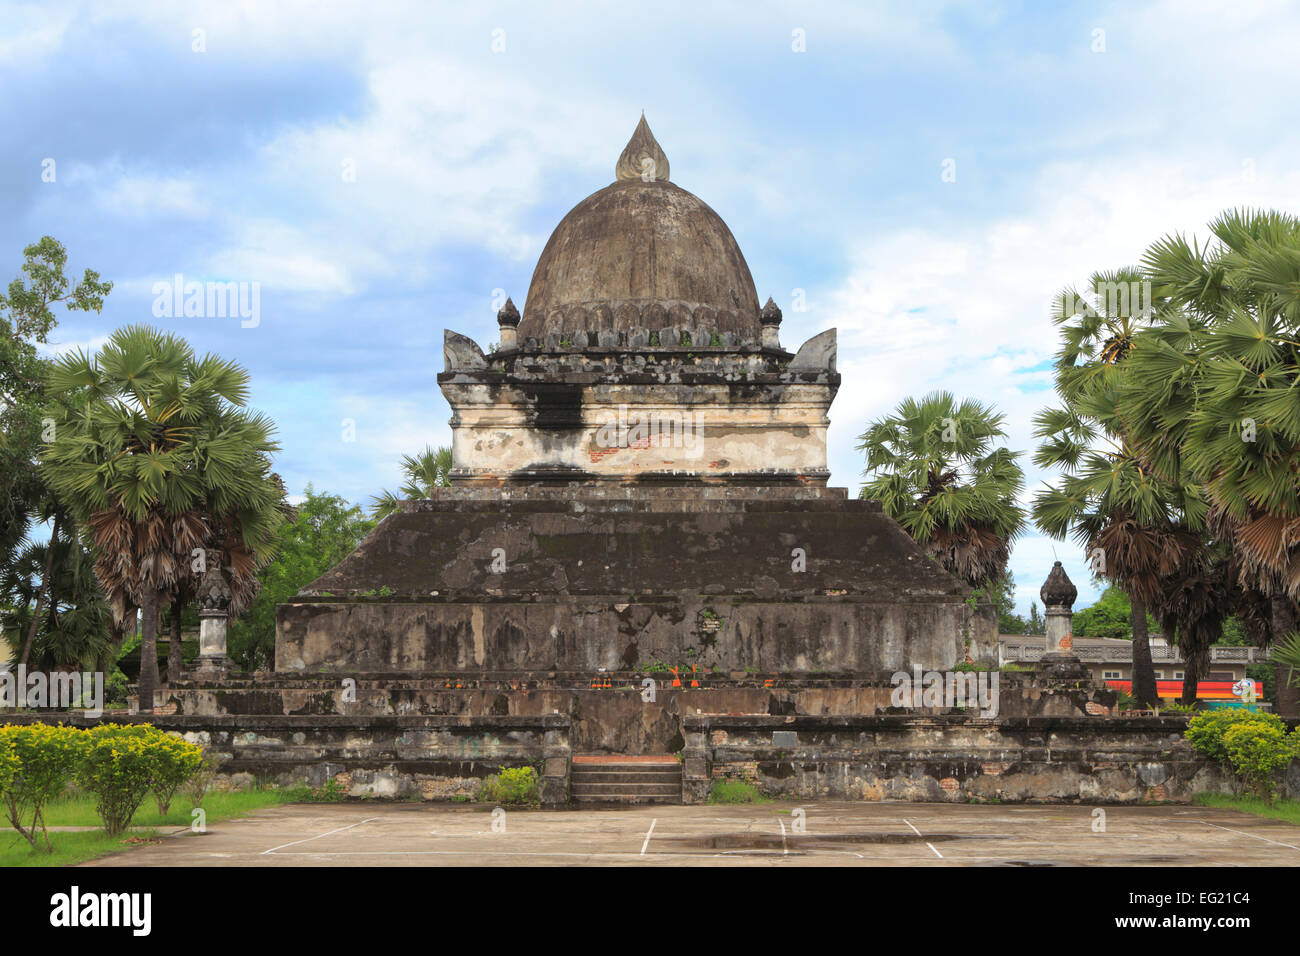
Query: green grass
[[1288, 811], [79, 811], [69, 848]]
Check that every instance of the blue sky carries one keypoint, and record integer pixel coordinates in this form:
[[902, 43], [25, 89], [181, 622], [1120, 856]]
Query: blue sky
[[211, 140]]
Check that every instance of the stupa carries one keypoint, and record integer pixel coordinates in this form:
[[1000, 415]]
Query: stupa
[[639, 485]]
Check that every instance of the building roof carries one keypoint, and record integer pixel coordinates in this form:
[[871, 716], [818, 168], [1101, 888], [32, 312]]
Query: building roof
[[642, 253]]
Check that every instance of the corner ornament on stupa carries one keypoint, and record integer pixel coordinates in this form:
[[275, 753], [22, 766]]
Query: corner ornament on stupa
[[642, 158]]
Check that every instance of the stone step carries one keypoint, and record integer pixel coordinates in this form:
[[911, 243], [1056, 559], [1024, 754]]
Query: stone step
[[620, 776], [626, 799], [631, 789]]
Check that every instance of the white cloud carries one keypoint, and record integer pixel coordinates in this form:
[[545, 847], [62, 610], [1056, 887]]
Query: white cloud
[[144, 197], [967, 309]]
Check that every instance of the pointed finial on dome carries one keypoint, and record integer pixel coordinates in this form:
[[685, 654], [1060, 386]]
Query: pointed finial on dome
[[508, 314], [770, 319], [642, 157], [771, 314], [508, 320]]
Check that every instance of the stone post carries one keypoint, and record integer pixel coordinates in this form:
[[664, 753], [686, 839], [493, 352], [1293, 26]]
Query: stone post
[[696, 781], [213, 598], [556, 758], [508, 320], [1058, 593], [770, 318]]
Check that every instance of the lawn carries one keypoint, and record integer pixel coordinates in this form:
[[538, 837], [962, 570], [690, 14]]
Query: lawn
[[79, 811], [1288, 811]]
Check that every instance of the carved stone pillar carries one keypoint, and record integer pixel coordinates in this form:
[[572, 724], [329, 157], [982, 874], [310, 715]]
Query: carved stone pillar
[[213, 598], [1058, 593], [770, 318], [557, 756], [508, 320]]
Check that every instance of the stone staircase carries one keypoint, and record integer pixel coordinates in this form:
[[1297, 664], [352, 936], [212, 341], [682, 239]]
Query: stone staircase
[[627, 781]]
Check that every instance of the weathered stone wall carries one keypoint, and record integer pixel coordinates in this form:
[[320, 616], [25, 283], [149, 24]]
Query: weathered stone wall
[[956, 759], [888, 757], [397, 757], [807, 582], [612, 406], [615, 719]]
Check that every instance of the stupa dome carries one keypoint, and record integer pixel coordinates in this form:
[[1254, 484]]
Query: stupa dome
[[642, 253]]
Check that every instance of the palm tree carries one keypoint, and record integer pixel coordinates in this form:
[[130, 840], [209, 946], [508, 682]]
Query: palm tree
[[1108, 498], [934, 468], [428, 470], [156, 456], [1213, 383], [70, 629]]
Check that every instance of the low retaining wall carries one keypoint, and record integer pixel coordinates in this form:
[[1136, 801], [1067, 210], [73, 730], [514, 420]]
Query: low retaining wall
[[412, 757], [956, 759], [884, 757]]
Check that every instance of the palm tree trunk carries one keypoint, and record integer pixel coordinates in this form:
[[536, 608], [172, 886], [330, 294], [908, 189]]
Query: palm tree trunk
[[1145, 693], [175, 654], [1195, 659], [40, 595], [148, 649], [1284, 623]]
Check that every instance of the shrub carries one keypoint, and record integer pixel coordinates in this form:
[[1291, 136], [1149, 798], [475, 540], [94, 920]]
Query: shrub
[[122, 763], [331, 792], [1257, 750], [117, 766], [175, 762], [1252, 744], [38, 762], [516, 785], [734, 791], [197, 787], [115, 688], [1206, 731]]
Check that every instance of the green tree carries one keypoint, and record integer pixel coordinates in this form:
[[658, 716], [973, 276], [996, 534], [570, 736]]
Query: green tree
[[936, 470], [1111, 615], [1213, 383], [324, 530], [1135, 526], [1003, 597], [422, 473], [157, 457], [26, 320], [73, 632]]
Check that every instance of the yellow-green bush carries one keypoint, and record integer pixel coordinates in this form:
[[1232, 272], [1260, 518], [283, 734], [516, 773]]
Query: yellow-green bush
[[122, 763], [39, 761], [175, 762], [1257, 751], [1254, 745], [118, 763], [517, 785]]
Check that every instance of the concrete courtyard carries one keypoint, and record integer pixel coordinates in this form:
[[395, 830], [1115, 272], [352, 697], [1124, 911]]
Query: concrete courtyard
[[774, 834]]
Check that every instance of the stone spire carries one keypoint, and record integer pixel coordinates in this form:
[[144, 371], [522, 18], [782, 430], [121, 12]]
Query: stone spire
[[642, 158], [508, 320], [770, 318], [1058, 593], [1058, 590]]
